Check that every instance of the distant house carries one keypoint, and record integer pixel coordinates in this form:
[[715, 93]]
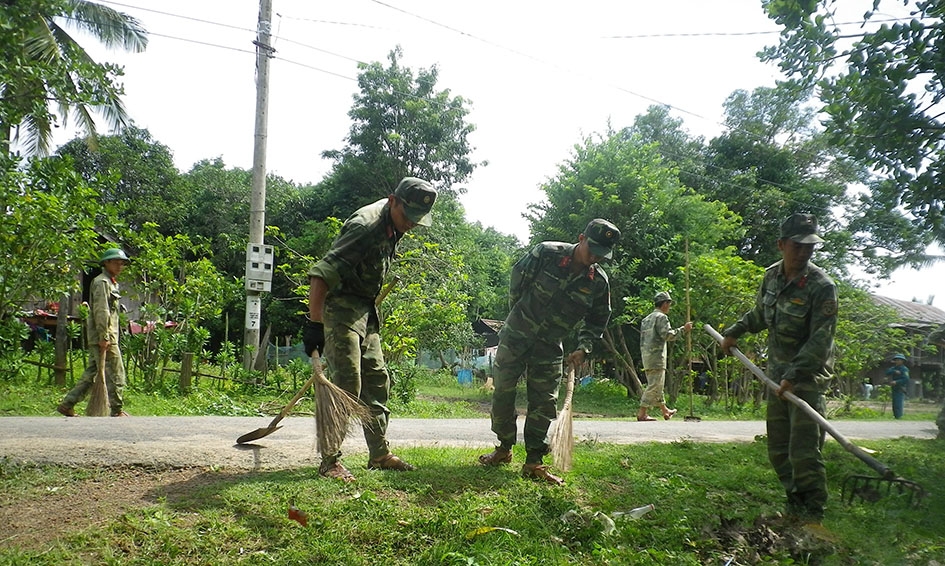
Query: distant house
[[921, 319]]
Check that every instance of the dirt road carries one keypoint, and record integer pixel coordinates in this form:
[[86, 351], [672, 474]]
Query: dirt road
[[211, 441]]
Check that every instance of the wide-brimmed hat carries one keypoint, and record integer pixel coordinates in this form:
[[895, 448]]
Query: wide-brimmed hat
[[114, 253], [661, 298]]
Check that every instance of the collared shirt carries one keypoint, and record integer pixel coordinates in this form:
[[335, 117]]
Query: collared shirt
[[355, 266], [103, 310], [655, 331], [801, 318], [548, 299]]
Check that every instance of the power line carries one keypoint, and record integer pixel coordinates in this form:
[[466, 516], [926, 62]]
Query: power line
[[450, 28]]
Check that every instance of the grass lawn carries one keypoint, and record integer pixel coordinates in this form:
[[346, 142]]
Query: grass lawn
[[714, 504]]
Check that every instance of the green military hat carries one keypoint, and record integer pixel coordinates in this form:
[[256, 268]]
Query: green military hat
[[418, 197], [114, 253], [899, 357], [661, 298], [802, 228], [601, 236]]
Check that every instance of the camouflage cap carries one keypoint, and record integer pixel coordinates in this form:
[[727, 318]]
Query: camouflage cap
[[899, 357], [114, 253], [661, 298], [601, 236], [418, 197], [802, 228]]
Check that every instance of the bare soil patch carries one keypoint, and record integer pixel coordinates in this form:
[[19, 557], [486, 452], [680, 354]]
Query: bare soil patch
[[36, 519]]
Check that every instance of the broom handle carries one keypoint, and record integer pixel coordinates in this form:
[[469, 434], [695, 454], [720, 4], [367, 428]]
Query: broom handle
[[569, 391], [689, 334], [291, 404], [880, 468]]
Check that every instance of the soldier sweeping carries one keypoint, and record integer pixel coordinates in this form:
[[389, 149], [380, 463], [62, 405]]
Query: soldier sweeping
[[343, 320], [553, 288], [102, 337]]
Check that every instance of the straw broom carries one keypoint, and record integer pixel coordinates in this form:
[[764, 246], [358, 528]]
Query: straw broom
[[98, 405], [562, 442], [336, 410]]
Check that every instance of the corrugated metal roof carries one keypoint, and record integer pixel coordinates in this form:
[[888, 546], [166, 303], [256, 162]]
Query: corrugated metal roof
[[919, 314]]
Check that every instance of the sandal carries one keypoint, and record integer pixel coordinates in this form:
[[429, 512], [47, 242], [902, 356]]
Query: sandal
[[669, 414], [497, 457], [540, 472], [390, 462], [336, 471]]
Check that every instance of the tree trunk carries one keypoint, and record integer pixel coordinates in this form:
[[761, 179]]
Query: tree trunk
[[625, 361]]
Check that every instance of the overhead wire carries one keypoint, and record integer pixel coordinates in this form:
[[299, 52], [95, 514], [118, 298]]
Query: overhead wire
[[444, 26]]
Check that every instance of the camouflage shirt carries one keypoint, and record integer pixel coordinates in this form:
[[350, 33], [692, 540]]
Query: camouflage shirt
[[655, 331], [548, 300], [801, 318], [103, 310], [355, 266]]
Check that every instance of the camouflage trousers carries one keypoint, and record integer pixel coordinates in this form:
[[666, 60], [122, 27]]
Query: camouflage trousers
[[357, 365], [540, 363], [795, 442], [653, 394], [114, 378]]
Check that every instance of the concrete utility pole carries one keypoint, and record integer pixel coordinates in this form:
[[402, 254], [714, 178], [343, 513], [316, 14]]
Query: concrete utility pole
[[257, 205]]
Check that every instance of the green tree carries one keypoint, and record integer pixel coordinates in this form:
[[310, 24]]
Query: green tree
[[619, 177], [43, 65], [881, 87], [146, 189], [48, 232], [770, 163], [401, 125]]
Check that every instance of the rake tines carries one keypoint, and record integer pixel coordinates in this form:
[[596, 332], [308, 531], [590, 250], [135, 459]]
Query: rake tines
[[871, 489]]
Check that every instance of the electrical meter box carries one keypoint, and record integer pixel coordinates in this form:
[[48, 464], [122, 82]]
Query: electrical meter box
[[259, 260]]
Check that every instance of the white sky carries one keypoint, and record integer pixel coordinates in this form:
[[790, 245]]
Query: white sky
[[540, 75]]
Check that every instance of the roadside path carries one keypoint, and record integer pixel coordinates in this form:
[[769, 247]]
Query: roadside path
[[211, 441]]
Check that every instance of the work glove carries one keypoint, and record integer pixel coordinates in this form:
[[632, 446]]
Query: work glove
[[313, 336]]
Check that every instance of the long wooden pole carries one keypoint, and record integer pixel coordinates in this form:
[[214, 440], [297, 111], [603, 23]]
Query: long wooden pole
[[257, 204], [689, 334]]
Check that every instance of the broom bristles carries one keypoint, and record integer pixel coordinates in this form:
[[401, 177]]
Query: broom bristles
[[98, 405], [336, 412], [562, 442]]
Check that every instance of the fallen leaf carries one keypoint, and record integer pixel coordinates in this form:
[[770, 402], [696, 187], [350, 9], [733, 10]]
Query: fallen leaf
[[483, 530]]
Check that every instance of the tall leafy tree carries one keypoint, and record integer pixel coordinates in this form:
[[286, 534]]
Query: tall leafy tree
[[44, 65], [620, 177], [881, 85], [401, 125], [769, 163], [146, 189], [48, 231]]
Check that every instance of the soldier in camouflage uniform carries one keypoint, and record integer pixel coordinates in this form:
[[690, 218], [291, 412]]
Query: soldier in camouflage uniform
[[553, 288], [343, 288], [797, 304], [102, 337], [655, 331]]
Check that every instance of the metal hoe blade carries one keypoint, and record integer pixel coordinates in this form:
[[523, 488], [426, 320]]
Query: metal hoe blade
[[871, 489]]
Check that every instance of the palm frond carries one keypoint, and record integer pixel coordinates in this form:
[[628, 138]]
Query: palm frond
[[111, 27], [41, 44]]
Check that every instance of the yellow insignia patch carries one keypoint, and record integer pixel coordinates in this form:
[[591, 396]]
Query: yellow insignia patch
[[797, 301]]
